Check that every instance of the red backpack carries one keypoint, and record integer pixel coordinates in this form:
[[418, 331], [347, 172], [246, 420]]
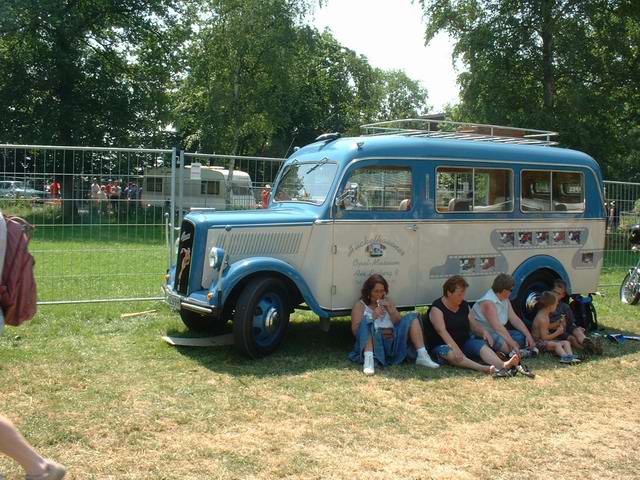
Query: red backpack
[[18, 297]]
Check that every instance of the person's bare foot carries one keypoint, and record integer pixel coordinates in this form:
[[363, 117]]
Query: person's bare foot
[[492, 370], [512, 362]]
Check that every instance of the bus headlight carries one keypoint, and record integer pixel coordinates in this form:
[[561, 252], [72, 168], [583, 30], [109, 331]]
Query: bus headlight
[[215, 257]]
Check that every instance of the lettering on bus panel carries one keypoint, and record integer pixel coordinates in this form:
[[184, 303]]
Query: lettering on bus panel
[[375, 254]]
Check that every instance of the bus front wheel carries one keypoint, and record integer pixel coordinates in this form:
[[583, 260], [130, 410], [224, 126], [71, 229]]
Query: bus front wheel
[[261, 316]]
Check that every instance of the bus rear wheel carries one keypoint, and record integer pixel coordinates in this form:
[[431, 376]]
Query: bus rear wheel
[[529, 292]]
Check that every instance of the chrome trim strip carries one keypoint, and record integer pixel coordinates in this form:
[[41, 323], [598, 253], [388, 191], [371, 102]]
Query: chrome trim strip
[[528, 221], [195, 308], [245, 225]]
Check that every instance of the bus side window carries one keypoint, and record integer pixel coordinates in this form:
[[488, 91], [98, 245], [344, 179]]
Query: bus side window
[[536, 191], [568, 191], [545, 191], [382, 188], [483, 190]]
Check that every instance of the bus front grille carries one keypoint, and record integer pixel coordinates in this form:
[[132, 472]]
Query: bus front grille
[[185, 250]]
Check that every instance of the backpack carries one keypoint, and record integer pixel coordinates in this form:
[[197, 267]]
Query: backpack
[[18, 297], [584, 312]]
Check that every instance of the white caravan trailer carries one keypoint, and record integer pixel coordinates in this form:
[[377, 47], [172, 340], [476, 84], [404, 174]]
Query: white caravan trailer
[[208, 192]]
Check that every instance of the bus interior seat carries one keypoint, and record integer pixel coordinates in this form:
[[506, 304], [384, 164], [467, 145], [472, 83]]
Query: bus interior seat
[[459, 205]]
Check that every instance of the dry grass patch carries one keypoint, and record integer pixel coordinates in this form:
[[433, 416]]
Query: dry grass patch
[[112, 401]]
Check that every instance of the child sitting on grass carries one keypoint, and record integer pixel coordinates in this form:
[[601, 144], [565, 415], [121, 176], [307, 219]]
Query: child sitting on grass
[[548, 335]]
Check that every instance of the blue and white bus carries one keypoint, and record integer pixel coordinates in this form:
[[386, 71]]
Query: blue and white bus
[[415, 204]]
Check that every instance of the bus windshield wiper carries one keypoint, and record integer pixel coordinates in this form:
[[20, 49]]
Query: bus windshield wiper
[[319, 164]]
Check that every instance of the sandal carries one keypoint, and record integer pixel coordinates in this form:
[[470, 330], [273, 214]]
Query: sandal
[[502, 356], [504, 373], [525, 370]]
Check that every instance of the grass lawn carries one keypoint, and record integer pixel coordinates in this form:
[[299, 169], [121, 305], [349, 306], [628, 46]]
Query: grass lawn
[[109, 399]]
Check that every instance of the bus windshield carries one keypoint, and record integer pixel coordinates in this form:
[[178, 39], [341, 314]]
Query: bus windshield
[[306, 182]]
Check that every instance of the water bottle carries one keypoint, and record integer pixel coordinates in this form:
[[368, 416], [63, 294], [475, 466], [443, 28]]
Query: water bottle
[[368, 317]]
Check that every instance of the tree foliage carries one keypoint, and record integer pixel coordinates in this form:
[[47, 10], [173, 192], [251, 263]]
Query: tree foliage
[[234, 76], [565, 65], [93, 72]]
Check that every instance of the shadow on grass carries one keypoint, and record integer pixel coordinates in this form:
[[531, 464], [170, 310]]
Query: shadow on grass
[[306, 349]]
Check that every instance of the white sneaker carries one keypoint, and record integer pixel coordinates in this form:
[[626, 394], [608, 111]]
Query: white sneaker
[[369, 365], [425, 361]]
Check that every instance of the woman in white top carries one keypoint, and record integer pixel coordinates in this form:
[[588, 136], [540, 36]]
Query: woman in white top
[[381, 333], [493, 310]]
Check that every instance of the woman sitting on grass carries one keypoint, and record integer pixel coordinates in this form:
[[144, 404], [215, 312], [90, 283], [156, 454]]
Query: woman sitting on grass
[[382, 335], [448, 328], [548, 335]]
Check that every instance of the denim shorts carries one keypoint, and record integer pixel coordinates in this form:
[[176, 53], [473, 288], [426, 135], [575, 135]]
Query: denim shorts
[[471, 349]]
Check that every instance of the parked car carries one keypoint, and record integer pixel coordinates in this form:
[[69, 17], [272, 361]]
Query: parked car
[[414, 208], [19, 189]]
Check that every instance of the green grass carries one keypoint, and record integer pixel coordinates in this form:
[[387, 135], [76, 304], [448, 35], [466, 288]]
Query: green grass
[[108, 398]]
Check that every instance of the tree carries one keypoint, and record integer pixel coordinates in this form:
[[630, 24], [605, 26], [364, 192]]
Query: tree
[[565, 65], [95, 72]]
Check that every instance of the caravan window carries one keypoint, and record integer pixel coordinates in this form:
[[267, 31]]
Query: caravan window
[[240, 189], [154, 184], [460, 189], [208, 187]]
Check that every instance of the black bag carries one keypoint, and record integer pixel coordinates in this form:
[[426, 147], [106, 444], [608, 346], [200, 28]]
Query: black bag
[[584, 312]]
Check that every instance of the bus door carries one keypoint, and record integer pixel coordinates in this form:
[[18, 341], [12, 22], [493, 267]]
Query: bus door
[[374, 232]]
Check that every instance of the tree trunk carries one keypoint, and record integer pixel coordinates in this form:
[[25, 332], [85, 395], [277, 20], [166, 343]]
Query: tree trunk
[[548, 54], [64, 90], [236, 138]]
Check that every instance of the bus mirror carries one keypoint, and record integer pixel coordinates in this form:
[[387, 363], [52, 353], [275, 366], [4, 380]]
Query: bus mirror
[[348, 198]]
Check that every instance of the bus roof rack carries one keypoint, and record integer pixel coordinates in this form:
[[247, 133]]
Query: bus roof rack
[[449, 130]]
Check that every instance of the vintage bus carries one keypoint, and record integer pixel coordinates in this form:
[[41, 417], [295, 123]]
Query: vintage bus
[[416, 204]]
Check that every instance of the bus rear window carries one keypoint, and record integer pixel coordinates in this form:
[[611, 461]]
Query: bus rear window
[[545, 191]]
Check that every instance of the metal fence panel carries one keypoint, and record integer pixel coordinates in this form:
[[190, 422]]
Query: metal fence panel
[[623, 210], [103, 230]]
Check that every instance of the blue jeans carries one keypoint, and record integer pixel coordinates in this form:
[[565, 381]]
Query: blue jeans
[[499, 341], [471, 349], [386, 351]]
